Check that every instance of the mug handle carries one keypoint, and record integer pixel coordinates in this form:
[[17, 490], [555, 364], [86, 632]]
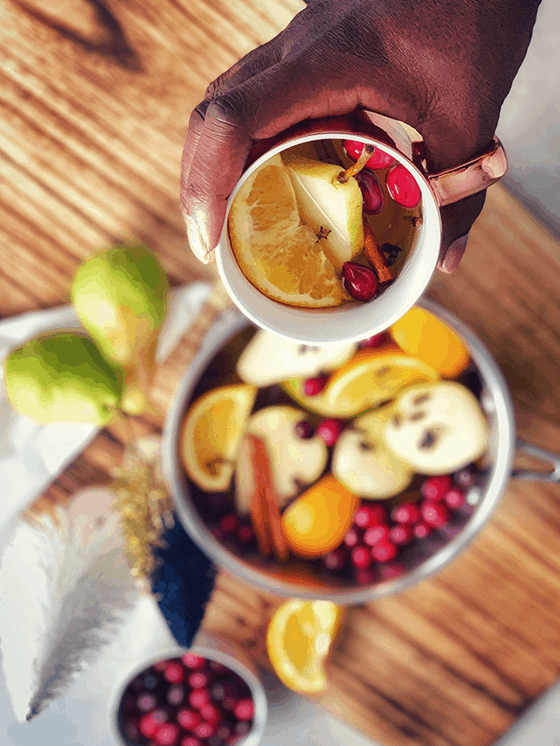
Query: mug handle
[[533, 474], [462, 181]]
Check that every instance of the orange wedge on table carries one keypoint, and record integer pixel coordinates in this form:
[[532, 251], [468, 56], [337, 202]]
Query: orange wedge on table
[[298, 641], [212, 432], [365, 381]]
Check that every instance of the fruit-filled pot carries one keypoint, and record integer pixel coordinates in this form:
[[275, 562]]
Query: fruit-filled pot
[[469, 503]]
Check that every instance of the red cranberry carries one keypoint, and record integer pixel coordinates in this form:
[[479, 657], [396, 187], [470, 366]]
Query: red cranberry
[[204, 730], [244, 709], [175, 694], [190, 741], [211, 713], [218, 533], [369, 515], [364, 575], [245, 534], [160, 666], [314, 386], [198, 679], [174, 673], [421, 530], [167, 735], [384, 551], [352, 538], [435, 514], [304, 430], [360, 557], [146, 702], [199, 697], [229, 523], [191, 660], [465, 478], [393, 570], [242, 728], [151, 721], [375, 534], [434, 488], [376, 341], [131, 730], [359, 281], [454, 498], [188, 719], [229, 702], [224, 732], [402, 534], [330, 430], [335, 560], [221, 690], [372, 193], [403, 187], [379, 158], [406, 513]]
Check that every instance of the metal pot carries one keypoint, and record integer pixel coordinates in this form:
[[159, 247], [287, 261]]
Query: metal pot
[[483, 498]]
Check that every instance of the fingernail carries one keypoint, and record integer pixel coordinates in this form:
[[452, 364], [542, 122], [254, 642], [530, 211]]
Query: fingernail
[[196, 241], [454, 254]]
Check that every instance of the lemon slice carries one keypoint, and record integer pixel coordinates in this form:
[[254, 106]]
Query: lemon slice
[[298, 641], [365, 381], [281, 257], [211, 435]]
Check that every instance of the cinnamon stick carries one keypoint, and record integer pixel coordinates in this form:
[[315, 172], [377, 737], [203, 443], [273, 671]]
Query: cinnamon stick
[[267, 500], [375, 255]]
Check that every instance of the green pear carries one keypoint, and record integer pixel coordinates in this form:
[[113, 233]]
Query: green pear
[[62, 377], [326, 202], [120, 296]]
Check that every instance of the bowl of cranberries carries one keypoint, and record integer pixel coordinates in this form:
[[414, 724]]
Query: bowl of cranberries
[[341, 473], [203, 696]]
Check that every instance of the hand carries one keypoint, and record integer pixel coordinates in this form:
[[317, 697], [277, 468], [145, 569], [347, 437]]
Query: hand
[[442, 67]]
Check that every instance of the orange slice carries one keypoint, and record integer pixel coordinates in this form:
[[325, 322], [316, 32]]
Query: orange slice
[[423, 335], [298, 641], [211, 435], [282, 258], [369, 378]]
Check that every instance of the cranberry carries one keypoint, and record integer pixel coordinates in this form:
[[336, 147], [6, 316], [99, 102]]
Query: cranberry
[[435, 514], [434, 488], [376, 341], [364, 575], [242, 728], [221, 690], [360, 557], [330, 430], [403, 187], [198, 679], [175, 694], [454, 498], [160, 666], [394, 570], [244, 709], [335, 560], [406, 513], [304, 430], [190, 741], [188, 719], [465, 478], [167, 735], [146, 702], [314, 386], [375, 534], [245, 534], [190, 660], [174, 673], [199, 697], [359, 281], [151, 721], [421, 530], [204, 730], [224, 732], [229, 523], [229, 702], [372, 194], [131, 730], [369, 515], [384, 551], [402, 534], [218, 533], [379, 158], [352, 538], [211, 713]]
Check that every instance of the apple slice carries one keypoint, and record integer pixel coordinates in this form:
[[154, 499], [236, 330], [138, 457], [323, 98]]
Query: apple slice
[[294, 461], [363, 463], [269, 359], [326, 203]]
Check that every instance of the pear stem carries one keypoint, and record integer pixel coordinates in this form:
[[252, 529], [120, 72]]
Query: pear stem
[[355, 168]]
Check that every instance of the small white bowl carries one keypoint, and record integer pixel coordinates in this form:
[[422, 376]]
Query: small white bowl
[[351, 321], [215, 648]]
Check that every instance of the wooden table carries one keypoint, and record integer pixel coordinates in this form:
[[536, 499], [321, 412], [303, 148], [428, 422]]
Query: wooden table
[[95, 101]]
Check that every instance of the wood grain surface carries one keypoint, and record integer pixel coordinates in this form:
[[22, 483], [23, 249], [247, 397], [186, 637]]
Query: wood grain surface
[[95, 97]]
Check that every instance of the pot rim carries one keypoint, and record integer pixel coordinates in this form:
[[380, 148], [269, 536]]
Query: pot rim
[[503, 419]]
